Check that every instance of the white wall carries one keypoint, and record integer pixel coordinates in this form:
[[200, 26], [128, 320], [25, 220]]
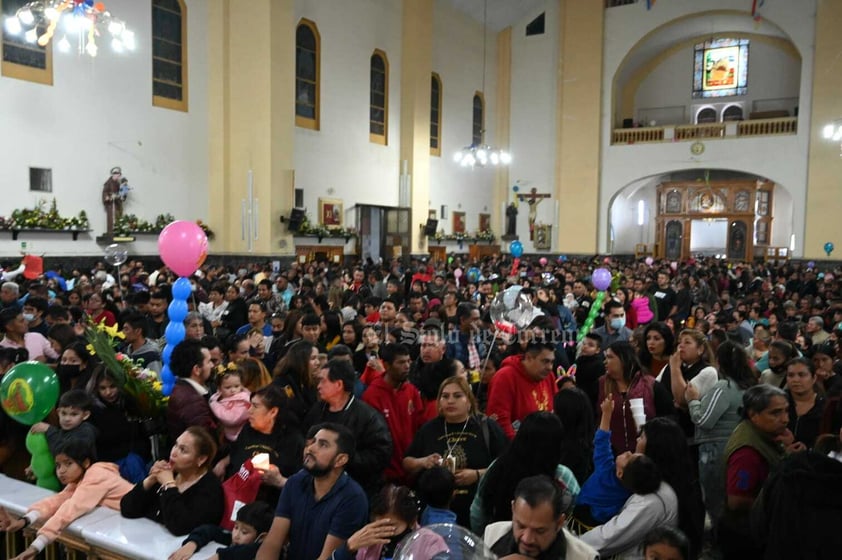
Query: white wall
[[99, 114], [339, 161], [782, 159], [772, 74], [626, 233], [533, 118], [457, 58]]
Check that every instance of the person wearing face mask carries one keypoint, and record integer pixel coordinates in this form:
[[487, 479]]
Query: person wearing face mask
[[74, 369], [614, 329], [780, 353]]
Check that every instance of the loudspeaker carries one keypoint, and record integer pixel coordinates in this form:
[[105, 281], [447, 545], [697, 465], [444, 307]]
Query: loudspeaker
[[296, 217], [431, 226]]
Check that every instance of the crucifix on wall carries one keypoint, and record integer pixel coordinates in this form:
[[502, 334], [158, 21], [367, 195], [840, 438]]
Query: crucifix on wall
[[534, 198]]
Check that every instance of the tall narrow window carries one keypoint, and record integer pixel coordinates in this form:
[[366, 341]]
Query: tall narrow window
[[169, 54], [23, 57], [435, 115], [479, 119], [378, 121], [307, 46]]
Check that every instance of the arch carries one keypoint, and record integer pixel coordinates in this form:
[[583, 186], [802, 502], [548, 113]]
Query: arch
[[378, 122], [623, 232], [733, 112], [706, 115], [435, 114], [307, 74], [478, 119], [169, 55], [622, 99]]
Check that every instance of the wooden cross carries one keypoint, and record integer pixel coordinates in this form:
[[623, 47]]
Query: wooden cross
[[534, 198]]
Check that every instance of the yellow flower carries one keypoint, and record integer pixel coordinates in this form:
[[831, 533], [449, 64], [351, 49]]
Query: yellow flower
[[157, 385], [114, 331], [90, 349]]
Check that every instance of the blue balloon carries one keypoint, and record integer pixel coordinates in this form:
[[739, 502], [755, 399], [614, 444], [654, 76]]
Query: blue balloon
[[177, 310], [174, 333], [828, 248], [167, 353], [181, 288], [516, 249], [167, 380]]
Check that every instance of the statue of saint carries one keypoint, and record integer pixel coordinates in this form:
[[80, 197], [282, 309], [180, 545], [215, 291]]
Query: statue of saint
[[114, 193], [511, 220]]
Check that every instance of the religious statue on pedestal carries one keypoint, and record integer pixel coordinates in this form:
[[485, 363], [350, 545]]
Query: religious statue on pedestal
[[511, 221], [114, 193]]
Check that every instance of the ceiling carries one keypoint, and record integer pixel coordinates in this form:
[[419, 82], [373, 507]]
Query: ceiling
[[501, 13]]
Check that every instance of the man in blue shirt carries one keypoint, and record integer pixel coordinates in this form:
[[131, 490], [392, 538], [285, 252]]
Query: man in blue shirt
[[320, 506]]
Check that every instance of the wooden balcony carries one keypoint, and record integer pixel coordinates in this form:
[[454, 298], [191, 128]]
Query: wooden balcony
[[712, 131]]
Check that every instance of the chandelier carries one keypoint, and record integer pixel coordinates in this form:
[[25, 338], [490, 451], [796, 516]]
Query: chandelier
[[480, 154], [84, 21]]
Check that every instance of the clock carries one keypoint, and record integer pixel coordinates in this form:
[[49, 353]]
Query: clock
[[697, 148]]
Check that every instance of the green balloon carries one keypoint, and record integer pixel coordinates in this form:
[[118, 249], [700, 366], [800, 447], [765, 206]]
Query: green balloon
[[43, 465], [600, 297], [589, 322], [28, 392]]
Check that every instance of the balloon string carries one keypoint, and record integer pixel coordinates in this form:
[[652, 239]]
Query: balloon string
[[490, 349]]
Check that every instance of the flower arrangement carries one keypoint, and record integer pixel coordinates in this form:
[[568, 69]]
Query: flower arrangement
[[461, 237], [142, 384], [321, 231], [130, 223], [208, 231], [44, 216]]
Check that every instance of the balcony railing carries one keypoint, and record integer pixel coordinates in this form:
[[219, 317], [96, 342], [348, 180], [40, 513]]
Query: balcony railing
[[712, 131], [615, 3]]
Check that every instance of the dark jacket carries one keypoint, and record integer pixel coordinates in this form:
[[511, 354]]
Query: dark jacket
[[374, 441], [201, 504], [187, 408]]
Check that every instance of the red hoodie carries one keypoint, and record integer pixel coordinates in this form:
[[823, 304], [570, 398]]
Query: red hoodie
[[513, 395], [402, 409]]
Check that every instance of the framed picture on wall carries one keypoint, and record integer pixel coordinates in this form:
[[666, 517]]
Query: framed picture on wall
[[330, 212], [484, 222], [458, 222], [543, 237]]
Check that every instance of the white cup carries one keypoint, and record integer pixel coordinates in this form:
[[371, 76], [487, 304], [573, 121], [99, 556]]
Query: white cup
[[640, 420], [636, 402]]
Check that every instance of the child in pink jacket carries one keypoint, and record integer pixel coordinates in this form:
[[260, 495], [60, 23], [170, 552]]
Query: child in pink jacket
[[231, 403], [86, 486]]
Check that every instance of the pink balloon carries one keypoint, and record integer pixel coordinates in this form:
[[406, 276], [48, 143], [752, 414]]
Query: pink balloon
[[674, 265], [607, 260], [543, 261], [183, 247], [457, 273], [649, 261]]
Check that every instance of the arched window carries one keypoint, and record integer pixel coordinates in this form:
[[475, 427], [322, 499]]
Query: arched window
[[307, 48], [479, 119], [169, 54], [706, 115], [435, 115], [378, 120], [24, 59], [733, 113]]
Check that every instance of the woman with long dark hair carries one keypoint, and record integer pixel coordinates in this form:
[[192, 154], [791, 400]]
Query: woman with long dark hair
[[658, 346], [295, 375], [624, 380], [715, 415], [663, 441], [573, 407], [535, 450]]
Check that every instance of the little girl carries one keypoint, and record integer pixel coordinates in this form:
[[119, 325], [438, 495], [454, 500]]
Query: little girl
[[230, 404], [86, 486]]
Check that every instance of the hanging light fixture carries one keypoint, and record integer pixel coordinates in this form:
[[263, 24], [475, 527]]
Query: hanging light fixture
[[481, 154], [84, 20]]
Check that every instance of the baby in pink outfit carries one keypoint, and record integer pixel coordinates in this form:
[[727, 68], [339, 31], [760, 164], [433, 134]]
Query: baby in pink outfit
[[230, 404]]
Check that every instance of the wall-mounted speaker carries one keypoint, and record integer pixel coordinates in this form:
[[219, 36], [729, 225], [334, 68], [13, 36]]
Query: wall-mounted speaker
[[296, 218]]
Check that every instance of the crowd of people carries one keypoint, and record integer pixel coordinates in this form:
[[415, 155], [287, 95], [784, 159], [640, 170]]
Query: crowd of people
[[376, 400]]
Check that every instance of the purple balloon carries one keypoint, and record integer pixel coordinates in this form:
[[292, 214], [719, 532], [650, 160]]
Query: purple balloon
[[601, 278]]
